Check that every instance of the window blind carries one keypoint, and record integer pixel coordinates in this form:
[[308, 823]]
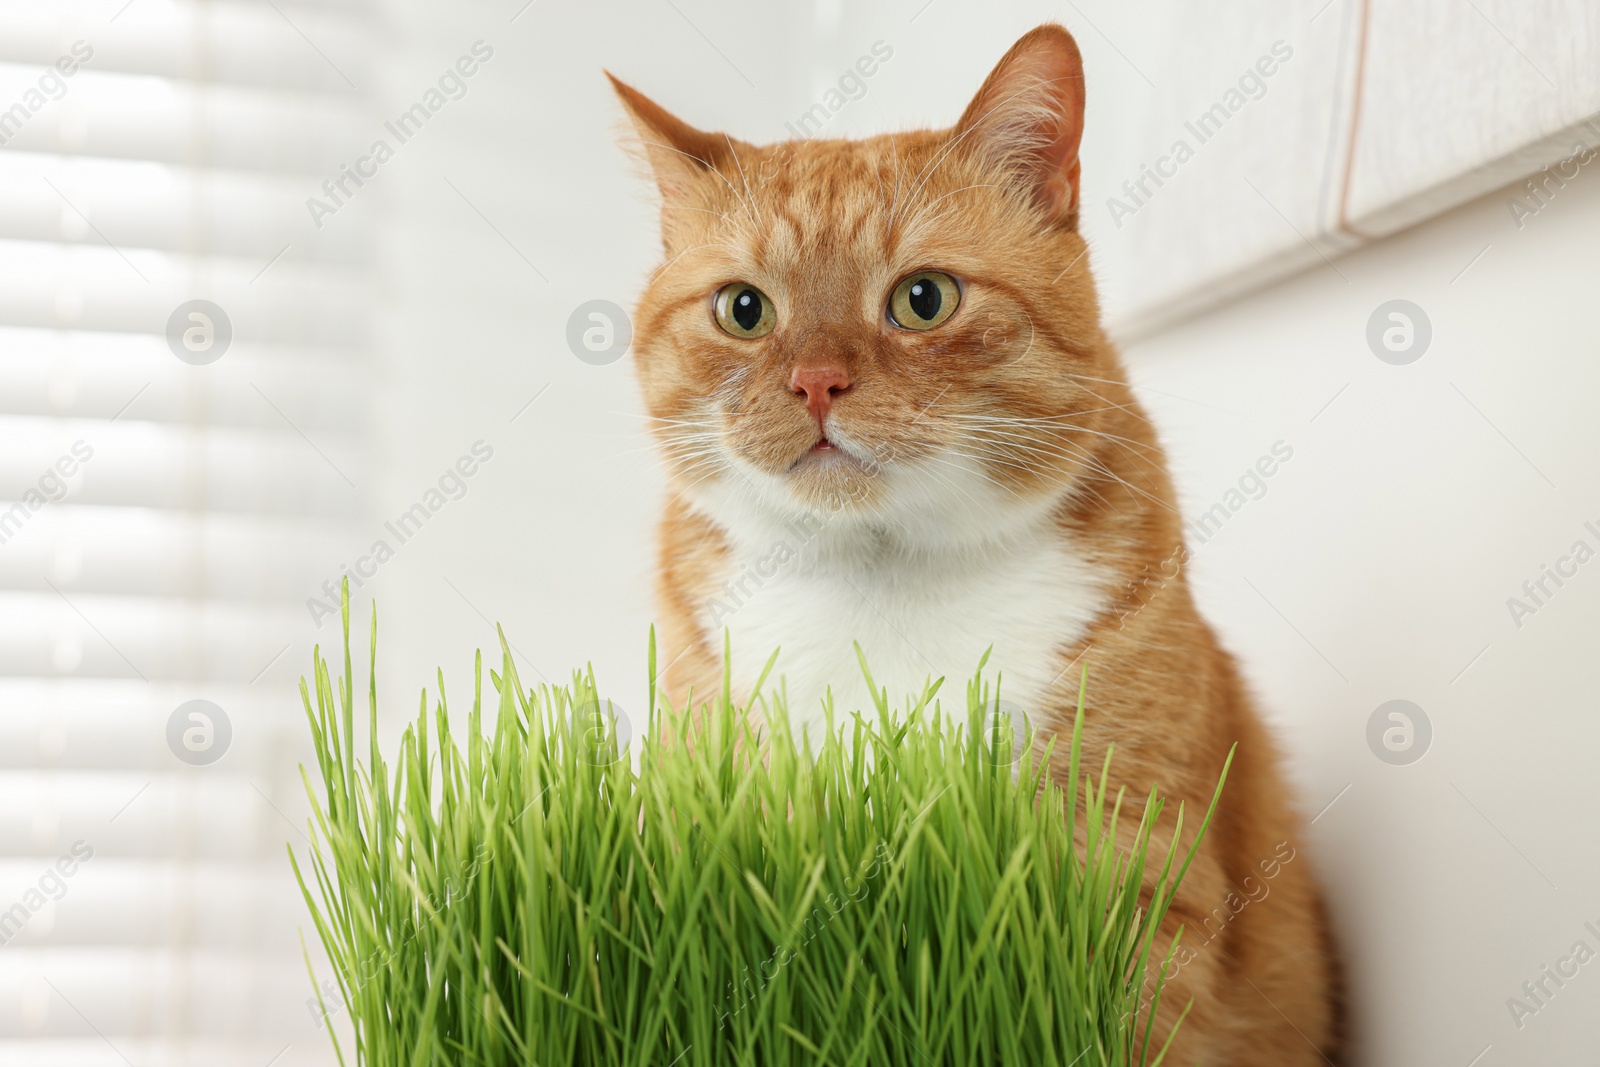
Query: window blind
[[162, 519]]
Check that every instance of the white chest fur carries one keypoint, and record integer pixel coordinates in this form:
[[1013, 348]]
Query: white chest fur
[[815, 592]]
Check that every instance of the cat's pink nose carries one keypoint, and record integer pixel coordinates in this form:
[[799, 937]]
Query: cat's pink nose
[[819, 383]]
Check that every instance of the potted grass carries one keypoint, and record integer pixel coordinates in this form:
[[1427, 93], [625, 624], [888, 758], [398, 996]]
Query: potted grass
[[901, 892]]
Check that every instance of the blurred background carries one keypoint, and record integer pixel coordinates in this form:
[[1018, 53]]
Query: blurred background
[[239, 344]]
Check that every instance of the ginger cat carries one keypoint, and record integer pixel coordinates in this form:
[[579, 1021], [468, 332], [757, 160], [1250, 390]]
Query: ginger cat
[[889, 415]]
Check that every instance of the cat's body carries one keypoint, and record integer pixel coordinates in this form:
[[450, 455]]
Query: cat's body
[[976, 478]]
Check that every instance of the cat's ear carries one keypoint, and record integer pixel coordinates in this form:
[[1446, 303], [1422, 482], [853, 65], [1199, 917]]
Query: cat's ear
[[680, 155], [1028, 119]]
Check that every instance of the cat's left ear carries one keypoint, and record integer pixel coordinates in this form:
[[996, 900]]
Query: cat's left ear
[[680, 155], [1028, 119]]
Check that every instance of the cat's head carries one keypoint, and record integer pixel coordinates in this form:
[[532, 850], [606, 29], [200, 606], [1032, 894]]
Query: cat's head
[[900, 330]]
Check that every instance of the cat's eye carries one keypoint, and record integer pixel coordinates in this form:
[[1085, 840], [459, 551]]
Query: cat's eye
[[744, 311], [924, 300]]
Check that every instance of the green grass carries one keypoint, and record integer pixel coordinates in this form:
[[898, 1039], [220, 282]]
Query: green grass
[[901, 895]]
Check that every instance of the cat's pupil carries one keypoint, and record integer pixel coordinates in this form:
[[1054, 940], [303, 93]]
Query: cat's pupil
[[925, 298], [747, 309]]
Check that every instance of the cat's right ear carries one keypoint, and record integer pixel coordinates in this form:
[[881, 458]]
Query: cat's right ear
[[1028, 119], [680, 156]]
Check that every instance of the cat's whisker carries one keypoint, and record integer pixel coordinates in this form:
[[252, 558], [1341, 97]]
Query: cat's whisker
[[1026, 467], [1030, 419], [1076, 376], [1127, 444], [1130, 445], [748, 198], [1088, 461], [1134, 411], [894, 205], [980, 461], [1083, 457], [695, 459], [1054, 429]]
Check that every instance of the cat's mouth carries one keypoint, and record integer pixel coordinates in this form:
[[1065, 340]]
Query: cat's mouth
[[834, 472], [825, 451]]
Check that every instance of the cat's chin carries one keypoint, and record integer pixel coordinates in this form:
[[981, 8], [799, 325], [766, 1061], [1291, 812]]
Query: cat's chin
[[834, 481]]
